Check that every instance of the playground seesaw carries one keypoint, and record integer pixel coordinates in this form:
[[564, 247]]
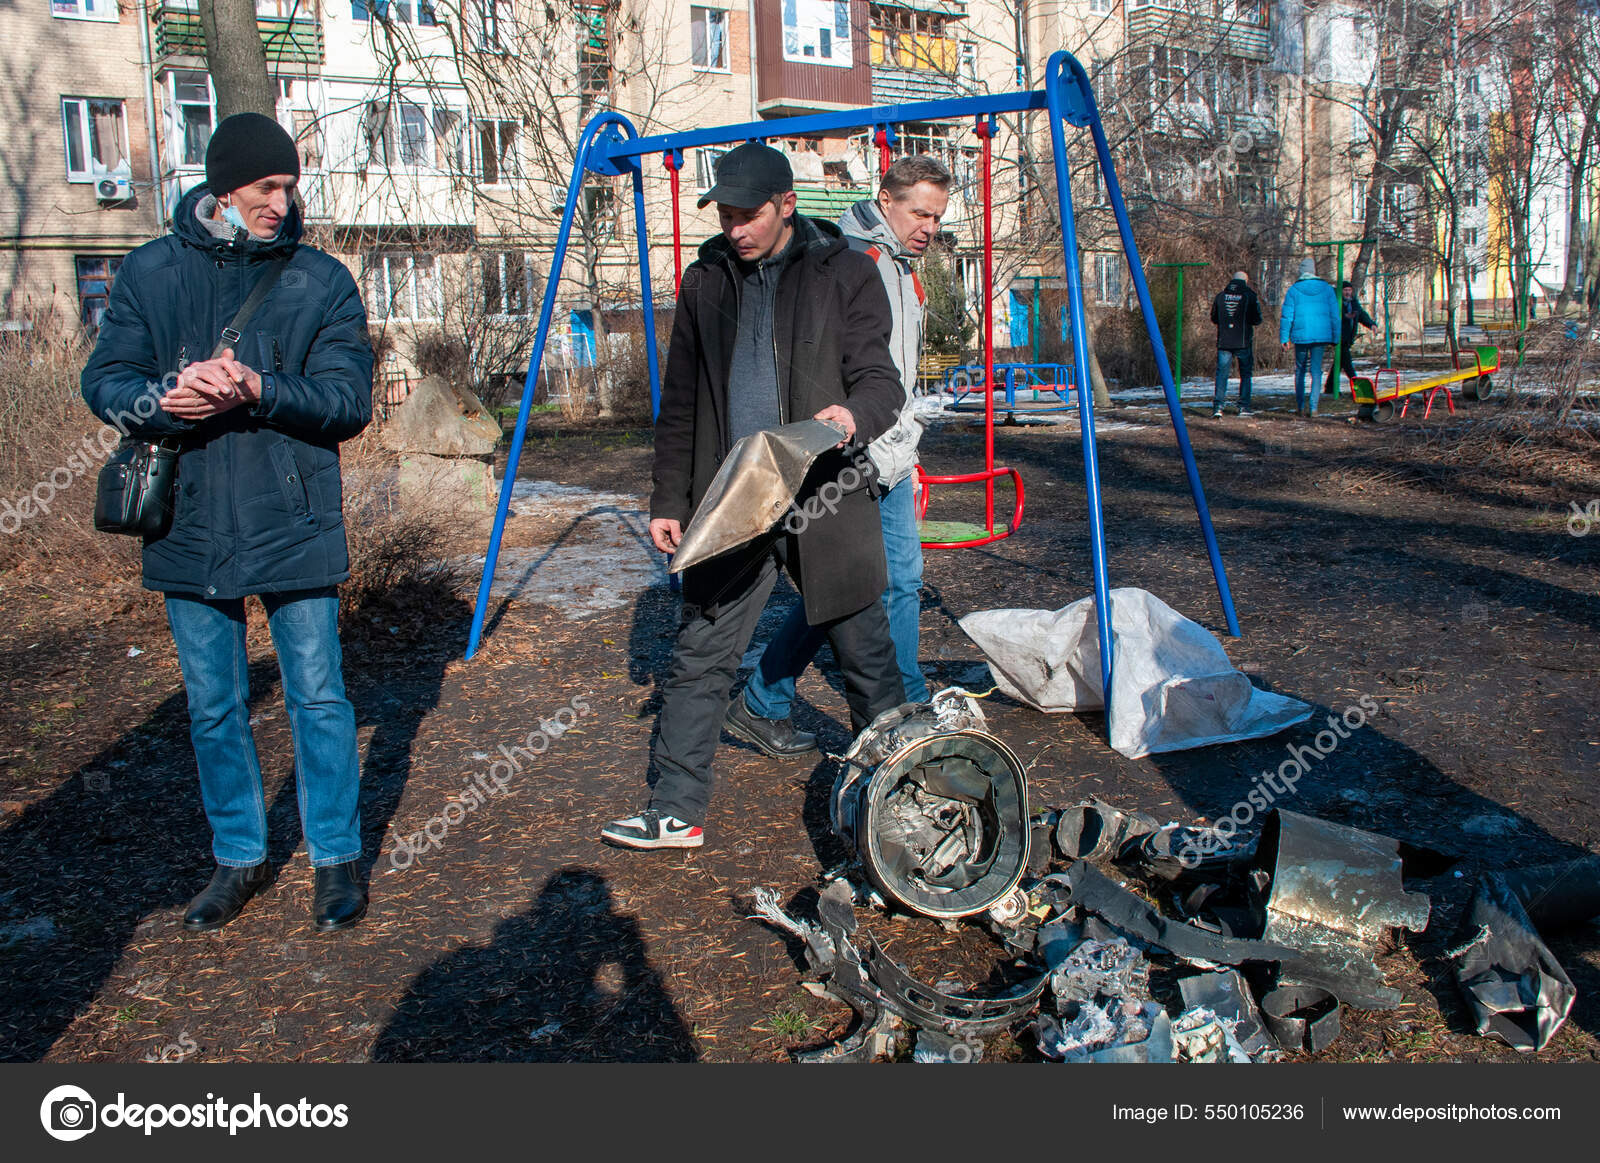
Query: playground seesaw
[[1473, 379]]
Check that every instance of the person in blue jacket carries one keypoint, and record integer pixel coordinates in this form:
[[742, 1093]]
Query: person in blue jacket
[[1309, 320], [257, 508]]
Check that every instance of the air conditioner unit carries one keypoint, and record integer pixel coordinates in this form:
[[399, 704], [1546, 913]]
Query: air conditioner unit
[[114, 189]]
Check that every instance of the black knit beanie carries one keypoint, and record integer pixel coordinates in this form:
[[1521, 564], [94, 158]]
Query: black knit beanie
[[246, 148]]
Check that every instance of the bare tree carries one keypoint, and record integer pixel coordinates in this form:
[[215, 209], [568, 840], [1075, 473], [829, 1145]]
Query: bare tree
[[236, 58]]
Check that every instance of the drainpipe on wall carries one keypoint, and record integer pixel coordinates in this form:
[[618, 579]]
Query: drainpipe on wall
[[147, 62], [750, 17]]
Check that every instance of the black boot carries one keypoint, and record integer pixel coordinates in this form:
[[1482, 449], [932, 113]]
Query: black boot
[[340, 899], [222, 899], [774, 737]]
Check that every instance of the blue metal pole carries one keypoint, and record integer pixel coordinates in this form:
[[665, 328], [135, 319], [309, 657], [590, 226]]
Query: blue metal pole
[[535, 359], [1174, 408], [1055, 93]]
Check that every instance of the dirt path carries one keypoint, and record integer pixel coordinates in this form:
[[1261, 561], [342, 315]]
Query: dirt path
[[1362, 563]]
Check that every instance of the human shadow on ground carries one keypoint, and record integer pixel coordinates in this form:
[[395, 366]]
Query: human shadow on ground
[[123, 839], [569, 980]]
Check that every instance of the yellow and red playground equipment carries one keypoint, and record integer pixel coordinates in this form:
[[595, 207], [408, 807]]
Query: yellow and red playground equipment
[[1473, 379]]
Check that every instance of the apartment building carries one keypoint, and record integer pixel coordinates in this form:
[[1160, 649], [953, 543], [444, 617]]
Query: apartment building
[[437, 136], [77, 195]]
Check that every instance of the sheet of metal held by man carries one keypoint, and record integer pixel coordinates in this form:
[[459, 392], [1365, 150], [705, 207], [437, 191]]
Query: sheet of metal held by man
[[778, 321]]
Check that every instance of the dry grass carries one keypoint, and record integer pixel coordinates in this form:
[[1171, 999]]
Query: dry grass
[[397, 552], [50, 455]]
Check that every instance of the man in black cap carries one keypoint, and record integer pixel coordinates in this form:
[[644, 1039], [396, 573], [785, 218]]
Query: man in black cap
[[778, 321], [257, 506]]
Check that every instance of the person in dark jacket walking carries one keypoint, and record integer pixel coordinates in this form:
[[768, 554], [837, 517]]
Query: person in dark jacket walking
[[778, 320], [1351, 313], [1235, 311], [257, 508]]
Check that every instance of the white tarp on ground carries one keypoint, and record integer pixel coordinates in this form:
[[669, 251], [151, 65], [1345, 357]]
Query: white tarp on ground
[[1172, 686]]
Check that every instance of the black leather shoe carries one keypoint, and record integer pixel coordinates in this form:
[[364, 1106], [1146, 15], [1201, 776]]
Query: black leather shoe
[[340, 899], [225, 896], [774, 737]]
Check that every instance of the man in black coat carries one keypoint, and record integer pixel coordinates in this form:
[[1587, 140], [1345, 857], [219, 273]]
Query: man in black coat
[[258, 504], [1235, 311], [778, 321], [1351, 312]]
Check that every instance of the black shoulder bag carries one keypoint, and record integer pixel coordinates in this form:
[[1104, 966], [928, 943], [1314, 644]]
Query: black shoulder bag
[[135, 488]]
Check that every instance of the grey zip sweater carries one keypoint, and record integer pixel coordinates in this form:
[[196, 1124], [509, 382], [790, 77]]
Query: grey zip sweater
[[753, 376], [895, 452]]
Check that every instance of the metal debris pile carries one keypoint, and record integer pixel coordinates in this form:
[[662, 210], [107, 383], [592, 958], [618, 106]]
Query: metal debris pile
[[1263, 936]]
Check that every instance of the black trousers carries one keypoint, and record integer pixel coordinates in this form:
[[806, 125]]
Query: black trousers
[[1347, 367], [705, 661]]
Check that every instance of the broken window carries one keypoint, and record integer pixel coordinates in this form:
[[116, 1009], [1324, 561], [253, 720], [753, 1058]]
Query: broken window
[[497, 151], [196, 110], [96, 273], [708, 38], [507, 283], [376, 134], [96, 137], [413, 135]]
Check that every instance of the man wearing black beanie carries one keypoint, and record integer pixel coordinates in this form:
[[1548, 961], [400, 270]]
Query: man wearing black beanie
[[257, 399]]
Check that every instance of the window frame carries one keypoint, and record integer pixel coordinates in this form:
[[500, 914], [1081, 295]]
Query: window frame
[[488, 23], [727, 47], [90, 175], [114, 17], [505, 174], [180, 138], [405, 12], [1107, 273], [499, 259], [413, 134], [381, 301], [113, 265], [705, 165]]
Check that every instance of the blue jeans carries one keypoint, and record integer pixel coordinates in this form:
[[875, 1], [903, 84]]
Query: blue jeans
[[1307, 355], [211, 650], [770, 691], [1226, 358]]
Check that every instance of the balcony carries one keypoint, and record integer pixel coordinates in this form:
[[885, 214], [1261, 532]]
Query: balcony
[[297, 41], [1200, 24], [816, 200], [913, 68]]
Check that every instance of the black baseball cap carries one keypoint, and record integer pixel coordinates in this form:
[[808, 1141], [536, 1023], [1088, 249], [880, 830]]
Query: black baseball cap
[[749, 175]]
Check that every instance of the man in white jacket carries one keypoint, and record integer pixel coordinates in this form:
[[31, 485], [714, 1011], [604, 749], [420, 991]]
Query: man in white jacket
[[892, 229]]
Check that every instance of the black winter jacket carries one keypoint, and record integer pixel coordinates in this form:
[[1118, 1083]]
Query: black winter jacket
[[1351, 313], [1236, 311], [259, 500], [831, 329]]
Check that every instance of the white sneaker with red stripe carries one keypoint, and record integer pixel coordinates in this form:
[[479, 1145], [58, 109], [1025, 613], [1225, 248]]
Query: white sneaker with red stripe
[[650, 829]]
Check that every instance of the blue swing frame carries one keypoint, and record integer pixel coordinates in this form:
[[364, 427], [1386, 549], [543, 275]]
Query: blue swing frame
[[611, 145]]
